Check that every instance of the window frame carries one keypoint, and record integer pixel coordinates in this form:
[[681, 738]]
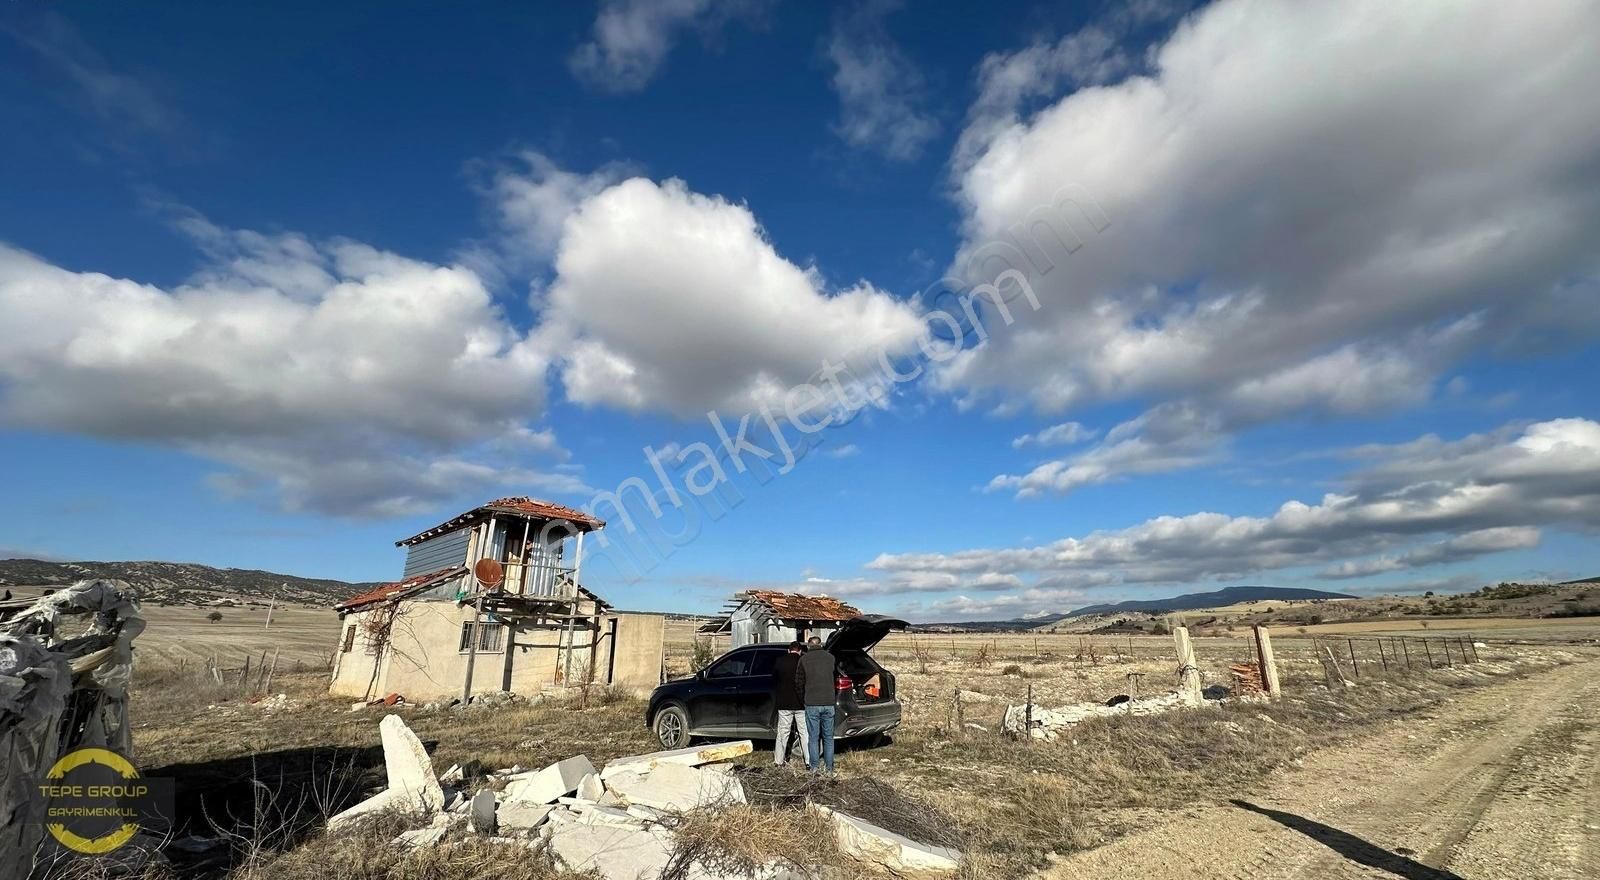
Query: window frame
[[491, 637]]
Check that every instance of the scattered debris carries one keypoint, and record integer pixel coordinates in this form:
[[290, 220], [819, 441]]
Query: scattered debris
[[621, 823], [1048, 724], [693, 757], [869, 843], [544, 786]]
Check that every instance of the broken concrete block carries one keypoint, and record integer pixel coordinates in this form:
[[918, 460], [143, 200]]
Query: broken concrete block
[[867, 842], [519, 816], [590, 788], [550, 783], [422, 837], [409, 767], [680, 788], [614, 852], [379, 802], [690, 757], [453, 776], [610, 799], [609, 816], [481, 815]]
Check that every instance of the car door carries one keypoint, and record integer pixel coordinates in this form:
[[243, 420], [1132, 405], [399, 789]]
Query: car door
[[720, 704], [758, 713]]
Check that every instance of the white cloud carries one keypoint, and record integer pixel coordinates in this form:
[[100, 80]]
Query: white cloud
[[1064, 434], [669, 300], [1167, 438], [1479, 543], [335, 376], [1424, 503], [848, 450], [534, 197], [632, 37], [1314, 208], [882, 96]]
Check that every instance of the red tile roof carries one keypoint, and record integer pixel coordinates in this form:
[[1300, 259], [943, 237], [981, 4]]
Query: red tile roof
[[518, 505], [399, 588], [797, 606]]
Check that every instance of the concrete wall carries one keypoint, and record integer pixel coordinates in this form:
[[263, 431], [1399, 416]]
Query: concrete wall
[[423, 660], [638, 651]]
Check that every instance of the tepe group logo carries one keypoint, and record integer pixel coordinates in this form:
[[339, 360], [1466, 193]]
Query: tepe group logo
[[97, 801]]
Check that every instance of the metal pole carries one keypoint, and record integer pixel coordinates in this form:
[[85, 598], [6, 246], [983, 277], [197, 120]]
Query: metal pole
[[1429, 650], [1354, 667], [1473, 641], [1407, 651], [477, 612], [1381, 658]]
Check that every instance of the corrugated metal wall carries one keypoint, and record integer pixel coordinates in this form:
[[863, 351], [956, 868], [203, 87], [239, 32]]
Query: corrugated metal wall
[[438, 552]]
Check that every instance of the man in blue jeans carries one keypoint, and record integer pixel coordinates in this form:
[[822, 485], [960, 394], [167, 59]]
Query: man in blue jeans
[[818, 671]]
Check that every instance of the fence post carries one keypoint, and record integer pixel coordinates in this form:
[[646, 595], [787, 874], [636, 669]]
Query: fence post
[[1407, 651], [1445, 644], [1188, 671], [1268, 663], [1473, 641], [1381, 658], [1355, 668], [1428, 649]]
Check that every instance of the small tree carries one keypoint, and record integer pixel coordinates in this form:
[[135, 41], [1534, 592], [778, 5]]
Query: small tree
[[214, 616], [703, 654]]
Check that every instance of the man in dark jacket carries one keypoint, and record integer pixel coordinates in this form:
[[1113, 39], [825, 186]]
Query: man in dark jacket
[[818, 672], [791, 705]]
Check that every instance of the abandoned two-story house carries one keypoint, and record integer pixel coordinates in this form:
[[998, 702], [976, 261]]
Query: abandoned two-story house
[[537, 627], [756, 617]]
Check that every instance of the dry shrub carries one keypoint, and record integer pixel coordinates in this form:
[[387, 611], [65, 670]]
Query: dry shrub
[[743, 839], [982, 657], [1041, 815], [867, 798], [1013, 669], [369, 854]]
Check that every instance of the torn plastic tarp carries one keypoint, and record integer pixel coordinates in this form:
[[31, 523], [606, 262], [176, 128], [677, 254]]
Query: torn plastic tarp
[[57, 694]]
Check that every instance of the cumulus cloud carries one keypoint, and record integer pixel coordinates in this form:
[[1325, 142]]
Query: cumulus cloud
[[882, 95], [533, 197], [632, 37], [1315, 209], [1424, 503], [669, 300], [338, 377]]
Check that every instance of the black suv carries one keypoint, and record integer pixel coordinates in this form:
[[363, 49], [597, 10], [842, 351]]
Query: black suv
[[732, 697]]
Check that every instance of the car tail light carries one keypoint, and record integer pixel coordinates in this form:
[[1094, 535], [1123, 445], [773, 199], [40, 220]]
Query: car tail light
[[843, 683]]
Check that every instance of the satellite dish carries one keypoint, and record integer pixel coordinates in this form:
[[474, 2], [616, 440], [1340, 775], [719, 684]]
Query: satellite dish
[[489, 573]]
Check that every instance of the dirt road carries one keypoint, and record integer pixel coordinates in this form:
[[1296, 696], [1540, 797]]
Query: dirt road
[[1500, 782]]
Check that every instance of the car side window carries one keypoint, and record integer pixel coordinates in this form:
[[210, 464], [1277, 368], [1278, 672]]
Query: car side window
[[764, 663], [731, 667]]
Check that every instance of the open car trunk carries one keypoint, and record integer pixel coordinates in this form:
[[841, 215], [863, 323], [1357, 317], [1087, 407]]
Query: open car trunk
[[849, 646]]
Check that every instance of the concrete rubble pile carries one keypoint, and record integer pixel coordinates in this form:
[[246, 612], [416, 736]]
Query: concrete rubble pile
[[59, 691], [1038, 722], [616, 821]]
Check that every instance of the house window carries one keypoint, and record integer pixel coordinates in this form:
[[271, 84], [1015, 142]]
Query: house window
[[491, 637], [349, 640]]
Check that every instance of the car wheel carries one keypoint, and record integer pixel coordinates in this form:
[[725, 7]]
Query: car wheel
[[672, 727]]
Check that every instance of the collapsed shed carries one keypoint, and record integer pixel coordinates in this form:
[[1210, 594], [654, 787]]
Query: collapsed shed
[[440, 632], [756, 617]]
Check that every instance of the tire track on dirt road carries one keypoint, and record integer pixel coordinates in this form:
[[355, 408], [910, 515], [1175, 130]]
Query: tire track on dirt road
[[1501, 781]]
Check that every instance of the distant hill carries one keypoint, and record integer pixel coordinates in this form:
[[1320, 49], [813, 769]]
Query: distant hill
[[1593, 580], [1186, 602], [1213, 599], [182, 582]]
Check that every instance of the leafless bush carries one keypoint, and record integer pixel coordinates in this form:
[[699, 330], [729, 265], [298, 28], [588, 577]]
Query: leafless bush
[[982, 657]]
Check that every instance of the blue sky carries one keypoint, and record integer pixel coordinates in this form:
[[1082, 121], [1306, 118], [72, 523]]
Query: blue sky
[[1312, 291]]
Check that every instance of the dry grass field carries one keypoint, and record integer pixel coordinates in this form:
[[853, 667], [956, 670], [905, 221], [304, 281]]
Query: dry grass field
[[269, 773]]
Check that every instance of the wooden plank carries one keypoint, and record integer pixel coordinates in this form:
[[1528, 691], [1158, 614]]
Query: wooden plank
[[1268, 662]]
